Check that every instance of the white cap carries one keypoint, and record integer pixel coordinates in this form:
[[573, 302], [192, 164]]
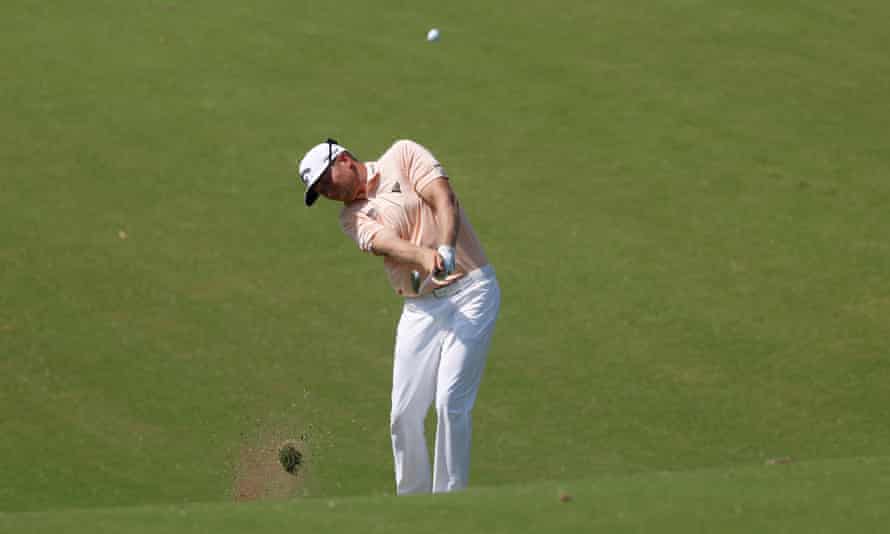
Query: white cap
[[315, 163]]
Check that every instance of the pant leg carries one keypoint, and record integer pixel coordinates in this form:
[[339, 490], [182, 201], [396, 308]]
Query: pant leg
[[418, 348], [464, 353]]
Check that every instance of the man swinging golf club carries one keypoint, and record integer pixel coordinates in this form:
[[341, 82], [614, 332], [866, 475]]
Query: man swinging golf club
[[402, 207]]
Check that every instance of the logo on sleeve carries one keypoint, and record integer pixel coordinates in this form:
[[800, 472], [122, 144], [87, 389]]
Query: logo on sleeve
[[397, 188], [305, 175]]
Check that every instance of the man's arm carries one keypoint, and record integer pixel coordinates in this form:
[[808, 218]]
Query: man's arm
[[387, 243], [440, 197]]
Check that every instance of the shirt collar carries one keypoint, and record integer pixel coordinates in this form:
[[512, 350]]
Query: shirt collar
[[373, 173]]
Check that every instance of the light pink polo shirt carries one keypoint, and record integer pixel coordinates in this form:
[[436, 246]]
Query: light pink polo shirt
[[393, 182]]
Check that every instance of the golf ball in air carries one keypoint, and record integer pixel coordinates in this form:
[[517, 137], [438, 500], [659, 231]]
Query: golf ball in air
[[432, 35]]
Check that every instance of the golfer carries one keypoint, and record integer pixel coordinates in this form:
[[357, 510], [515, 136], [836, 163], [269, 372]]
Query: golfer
[[402, 207]]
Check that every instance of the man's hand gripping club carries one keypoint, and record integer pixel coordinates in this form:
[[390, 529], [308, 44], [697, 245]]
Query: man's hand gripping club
[[442, 267]]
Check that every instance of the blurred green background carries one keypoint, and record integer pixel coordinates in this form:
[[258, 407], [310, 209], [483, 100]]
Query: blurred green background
[[687, 204]]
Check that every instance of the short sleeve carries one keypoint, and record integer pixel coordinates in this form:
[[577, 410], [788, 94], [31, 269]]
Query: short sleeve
[[361, 226], [421, 166]]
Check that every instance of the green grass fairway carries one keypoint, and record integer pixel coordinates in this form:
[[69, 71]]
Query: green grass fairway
[[687, 204], [810, 497]]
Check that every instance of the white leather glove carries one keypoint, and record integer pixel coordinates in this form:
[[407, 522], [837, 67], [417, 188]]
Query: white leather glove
[[447, 254]]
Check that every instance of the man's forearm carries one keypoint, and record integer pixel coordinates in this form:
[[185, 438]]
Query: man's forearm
[[448, 217], [387, 243], [443, 202]]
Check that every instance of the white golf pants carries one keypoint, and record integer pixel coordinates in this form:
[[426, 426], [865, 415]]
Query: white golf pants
[[441, 347]]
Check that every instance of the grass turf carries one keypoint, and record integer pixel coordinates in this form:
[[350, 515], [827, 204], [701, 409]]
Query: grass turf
[[823, 496]]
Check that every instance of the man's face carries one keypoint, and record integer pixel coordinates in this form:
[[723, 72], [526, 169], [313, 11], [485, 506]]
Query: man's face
[[341, 181]]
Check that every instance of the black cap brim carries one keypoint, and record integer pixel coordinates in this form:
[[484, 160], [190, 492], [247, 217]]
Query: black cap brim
[[311, 196]]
